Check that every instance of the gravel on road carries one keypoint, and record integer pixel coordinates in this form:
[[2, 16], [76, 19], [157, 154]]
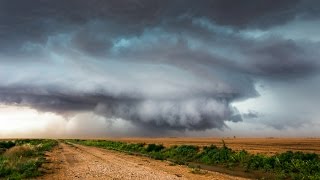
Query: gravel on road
[[83, 162]]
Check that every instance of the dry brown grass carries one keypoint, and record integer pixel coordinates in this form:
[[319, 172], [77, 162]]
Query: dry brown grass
[[18, 151]]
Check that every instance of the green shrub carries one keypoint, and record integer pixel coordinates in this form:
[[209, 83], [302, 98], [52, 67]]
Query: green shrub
[[157, 155], [154, 147], [7, 144], [214, 155], [183, 153]]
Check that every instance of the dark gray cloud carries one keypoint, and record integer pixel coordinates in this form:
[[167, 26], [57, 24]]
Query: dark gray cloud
[[35, 19], [169, 65], [191, 114]]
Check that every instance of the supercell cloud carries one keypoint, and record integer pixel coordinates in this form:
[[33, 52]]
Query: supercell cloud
[[162, 65]]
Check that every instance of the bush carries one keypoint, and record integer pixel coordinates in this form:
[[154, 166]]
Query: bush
[[154, 147], [6, 144], [214, 155], [157, 155], [183, 153]]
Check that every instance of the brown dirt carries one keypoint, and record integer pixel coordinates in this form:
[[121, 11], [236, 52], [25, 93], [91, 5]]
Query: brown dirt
[[81, 162], [267, 146]]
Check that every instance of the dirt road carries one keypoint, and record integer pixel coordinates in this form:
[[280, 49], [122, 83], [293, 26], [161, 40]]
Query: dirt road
[[81, 162]]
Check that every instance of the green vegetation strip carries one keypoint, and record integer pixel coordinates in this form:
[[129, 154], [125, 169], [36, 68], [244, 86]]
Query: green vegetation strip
[[288, 165], [21, 159]]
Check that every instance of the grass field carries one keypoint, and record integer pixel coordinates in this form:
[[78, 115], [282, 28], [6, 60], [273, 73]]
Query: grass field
[[267, 146], [21, 159], [281, 165]]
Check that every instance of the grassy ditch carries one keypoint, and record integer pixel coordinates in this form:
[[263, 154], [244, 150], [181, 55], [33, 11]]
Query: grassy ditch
[[288, 165], [21, 159]]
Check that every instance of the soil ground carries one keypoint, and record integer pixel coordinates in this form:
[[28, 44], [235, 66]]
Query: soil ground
[[267, 146], [82, 162]]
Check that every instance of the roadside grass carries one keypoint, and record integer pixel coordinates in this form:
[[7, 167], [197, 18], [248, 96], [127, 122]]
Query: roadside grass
[[198, 171], [21, 159], [288, 165]]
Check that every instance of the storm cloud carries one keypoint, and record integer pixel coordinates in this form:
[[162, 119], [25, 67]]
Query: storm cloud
[[165, 65]]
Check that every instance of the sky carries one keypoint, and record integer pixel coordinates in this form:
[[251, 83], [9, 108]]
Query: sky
[[96, 68]]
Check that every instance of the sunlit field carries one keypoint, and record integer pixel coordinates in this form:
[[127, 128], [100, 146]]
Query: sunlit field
[[268, 146]]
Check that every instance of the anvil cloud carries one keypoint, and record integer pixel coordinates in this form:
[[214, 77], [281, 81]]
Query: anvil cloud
[[163, 65]]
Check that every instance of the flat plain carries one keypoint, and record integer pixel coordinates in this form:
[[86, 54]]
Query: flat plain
[[268, 146]]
